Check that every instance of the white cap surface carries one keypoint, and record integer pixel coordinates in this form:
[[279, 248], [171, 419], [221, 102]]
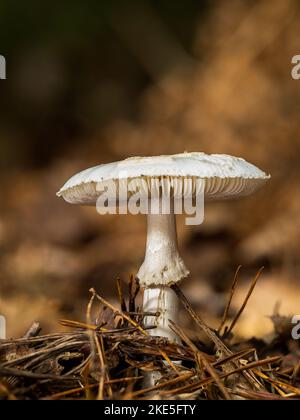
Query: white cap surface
[[224, 176]]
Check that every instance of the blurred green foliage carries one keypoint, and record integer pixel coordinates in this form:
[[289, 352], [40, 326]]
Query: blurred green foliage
[[69, 71]]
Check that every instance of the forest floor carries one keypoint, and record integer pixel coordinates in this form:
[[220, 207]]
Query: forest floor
[[108, 358]]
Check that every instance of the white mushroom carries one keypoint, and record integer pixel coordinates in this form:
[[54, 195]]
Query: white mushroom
[[220, 176]]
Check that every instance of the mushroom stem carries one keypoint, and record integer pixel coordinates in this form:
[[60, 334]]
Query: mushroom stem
[[164, 301], [162, 264]]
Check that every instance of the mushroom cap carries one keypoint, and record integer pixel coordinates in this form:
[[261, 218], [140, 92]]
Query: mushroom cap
[[222, 176]]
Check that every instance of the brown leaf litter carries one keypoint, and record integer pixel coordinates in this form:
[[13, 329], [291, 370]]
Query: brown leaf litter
[[107, 357]]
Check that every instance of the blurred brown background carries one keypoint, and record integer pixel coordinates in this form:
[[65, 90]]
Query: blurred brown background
[[98, 81]]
